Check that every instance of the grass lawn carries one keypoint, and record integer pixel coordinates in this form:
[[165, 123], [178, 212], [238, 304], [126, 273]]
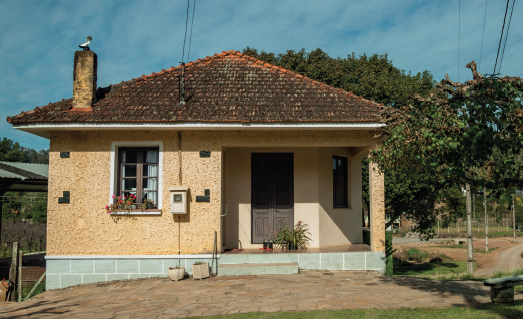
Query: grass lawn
[[480, 311], [442, 268]]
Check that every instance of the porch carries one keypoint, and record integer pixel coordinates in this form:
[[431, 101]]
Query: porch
[[264, 188], [244, 262]]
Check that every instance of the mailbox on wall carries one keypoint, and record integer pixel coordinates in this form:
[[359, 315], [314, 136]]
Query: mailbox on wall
[[178, 199]]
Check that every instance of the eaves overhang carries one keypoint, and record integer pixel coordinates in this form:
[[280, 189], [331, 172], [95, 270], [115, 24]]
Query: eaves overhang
[[45, 129]]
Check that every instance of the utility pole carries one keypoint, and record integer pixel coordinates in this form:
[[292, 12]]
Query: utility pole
[[486, 218], [514, 217], [470, 256]]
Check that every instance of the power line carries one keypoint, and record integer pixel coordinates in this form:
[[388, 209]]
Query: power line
[[186, 20], [190, 37], [484, 20], [506, 35], [502, 29], [459, 31]]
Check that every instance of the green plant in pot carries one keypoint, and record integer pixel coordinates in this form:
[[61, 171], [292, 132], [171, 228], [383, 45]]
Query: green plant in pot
[[294, 238]]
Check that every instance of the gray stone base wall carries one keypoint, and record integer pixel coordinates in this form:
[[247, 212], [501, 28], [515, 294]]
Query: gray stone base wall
[[63, 273]]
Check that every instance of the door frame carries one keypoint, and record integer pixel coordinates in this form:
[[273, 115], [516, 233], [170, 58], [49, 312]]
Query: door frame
[[272, 199]]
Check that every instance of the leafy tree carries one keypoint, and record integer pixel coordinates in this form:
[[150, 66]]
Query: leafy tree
[[461, 133], [10, 151], [374, 78], [455, 204]]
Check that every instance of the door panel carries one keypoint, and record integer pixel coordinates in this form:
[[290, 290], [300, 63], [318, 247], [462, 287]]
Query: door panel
[[272, 198]]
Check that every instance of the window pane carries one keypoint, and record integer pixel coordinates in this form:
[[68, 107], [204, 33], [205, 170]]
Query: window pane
[[150, 170], [130, 157], [129, 170], [150, 157], [262, 187], [153, 196], [129, 184], [283, 199], [283, 187], [126, 194], [150, 184], [262, 199]]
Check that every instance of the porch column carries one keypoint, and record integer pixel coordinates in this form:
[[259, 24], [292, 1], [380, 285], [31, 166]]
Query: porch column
[[377, 208]]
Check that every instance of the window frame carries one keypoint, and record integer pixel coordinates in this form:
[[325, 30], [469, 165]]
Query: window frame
[[335, 184], [139, 171], [114, 171]]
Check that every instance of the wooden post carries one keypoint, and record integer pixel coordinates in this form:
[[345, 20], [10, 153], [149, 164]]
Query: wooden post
[[470, 256], [486, 218], [514, 217], [20, 276], [12, 271]]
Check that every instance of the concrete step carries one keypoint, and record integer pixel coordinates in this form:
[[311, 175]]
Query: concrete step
[[258, 258], [225, 270]]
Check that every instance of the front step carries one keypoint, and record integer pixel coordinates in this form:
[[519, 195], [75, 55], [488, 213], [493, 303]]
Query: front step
[[226, 270]]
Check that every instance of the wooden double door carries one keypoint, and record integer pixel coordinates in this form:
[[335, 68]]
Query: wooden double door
[[272, 193]]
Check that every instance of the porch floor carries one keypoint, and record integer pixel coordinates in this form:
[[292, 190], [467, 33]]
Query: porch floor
[[335, 249]]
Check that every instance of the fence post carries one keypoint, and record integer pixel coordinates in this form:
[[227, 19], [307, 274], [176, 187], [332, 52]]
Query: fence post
[[20, 276], [12, 271]]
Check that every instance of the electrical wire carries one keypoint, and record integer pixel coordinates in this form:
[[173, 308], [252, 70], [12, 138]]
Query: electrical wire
[[185, 37], [484, 20], [502, 29], [190, 37], [506, 35], [459, 31]]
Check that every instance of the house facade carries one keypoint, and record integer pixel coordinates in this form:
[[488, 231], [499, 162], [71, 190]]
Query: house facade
[[226, 145]]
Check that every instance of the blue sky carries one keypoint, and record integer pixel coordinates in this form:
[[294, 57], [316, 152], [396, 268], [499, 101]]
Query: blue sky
[[131, 38]]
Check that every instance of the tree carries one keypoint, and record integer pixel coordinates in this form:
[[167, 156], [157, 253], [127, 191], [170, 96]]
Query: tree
[[374, 78], [469, 133], [10, 151]]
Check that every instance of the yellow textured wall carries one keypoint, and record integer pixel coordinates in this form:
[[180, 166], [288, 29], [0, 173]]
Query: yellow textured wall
[[83, 228], [377, 208]]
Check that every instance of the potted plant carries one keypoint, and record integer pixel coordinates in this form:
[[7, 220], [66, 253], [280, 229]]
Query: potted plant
[[147, 204], [176, 273], [122, 202], [200, 270], [295, 238]]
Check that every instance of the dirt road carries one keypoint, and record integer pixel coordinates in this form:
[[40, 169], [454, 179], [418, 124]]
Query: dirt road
[[506, 259]]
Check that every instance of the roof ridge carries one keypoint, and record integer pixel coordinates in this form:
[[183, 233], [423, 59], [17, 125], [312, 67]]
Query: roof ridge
[[268, 65]]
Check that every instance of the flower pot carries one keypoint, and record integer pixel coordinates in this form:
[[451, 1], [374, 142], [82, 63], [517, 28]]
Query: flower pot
[[176, 273], [200, 271], [265, 243], [133, 206], [271, 245], [149, 205], [290, 245]]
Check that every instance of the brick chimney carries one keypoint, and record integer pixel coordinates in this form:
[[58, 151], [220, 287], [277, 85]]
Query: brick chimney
[[84, 80]]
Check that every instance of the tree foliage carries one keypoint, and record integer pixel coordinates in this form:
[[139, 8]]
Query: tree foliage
[[372, 77], [461, 133], [12, 152]]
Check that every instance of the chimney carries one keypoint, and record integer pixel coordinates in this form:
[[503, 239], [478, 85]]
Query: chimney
[[84, 80]]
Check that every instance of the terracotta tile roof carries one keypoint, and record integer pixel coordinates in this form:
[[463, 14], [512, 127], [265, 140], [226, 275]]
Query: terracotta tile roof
[[227, 87]]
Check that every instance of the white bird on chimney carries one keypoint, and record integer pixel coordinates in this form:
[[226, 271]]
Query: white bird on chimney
[[85, 45]]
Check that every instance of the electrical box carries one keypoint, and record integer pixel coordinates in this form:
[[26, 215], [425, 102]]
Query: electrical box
[[178, 199]]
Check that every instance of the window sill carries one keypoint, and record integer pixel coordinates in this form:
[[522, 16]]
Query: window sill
[[138, 212]]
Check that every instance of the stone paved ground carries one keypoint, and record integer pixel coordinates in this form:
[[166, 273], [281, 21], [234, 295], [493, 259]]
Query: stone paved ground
[[309, 290]]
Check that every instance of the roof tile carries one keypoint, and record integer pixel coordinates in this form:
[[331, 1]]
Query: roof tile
[[228, 87]]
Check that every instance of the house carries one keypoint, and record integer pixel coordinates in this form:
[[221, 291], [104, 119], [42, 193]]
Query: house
[[228, 145]]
